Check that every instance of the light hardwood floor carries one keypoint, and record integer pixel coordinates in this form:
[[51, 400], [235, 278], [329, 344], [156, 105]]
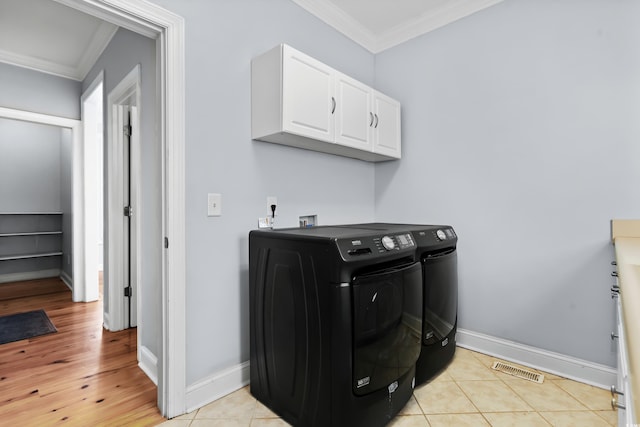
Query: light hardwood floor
[[80, 376]]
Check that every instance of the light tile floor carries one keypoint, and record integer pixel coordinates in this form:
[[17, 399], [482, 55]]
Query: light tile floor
[[467, 393]]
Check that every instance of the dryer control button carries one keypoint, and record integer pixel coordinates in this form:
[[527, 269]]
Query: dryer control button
[[388, 243]]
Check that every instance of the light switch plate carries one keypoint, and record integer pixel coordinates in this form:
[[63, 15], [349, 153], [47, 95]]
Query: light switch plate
[[214, 204]]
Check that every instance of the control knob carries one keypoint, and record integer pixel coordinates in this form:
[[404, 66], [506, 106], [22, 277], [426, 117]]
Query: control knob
[[441, 236], [388, 243]]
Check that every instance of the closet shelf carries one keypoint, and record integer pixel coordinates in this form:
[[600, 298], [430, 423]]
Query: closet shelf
[[28, 256], [30, 233]]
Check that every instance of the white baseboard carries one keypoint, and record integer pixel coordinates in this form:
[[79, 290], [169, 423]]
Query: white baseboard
[[66, 279], [148, 362], [554, 363], [105, 321], [217, 386], [29, 275]]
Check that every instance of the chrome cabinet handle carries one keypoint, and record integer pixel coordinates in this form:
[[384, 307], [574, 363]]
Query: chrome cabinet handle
[[371, 117], [376, 125], [615, 391], [613, 336], [333, 105], [615, 404]]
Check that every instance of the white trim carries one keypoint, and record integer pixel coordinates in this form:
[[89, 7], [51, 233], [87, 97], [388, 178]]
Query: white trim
[[335, 17], [29, 275], [168, 29], [554, 363], [37, 64], [106, 320], [98, 44], [216, 386], [148, 362], [68, 280], [89, 282]]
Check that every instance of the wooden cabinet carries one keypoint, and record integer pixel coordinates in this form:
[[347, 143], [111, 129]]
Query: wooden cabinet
[[30, 245], [299, 101]]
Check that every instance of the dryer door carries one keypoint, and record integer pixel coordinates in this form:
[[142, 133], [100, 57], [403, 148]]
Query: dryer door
[[387, 326]]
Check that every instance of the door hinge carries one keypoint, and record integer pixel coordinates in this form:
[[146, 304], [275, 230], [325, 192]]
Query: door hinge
[[127, 130], [128, 211], [127, 291]]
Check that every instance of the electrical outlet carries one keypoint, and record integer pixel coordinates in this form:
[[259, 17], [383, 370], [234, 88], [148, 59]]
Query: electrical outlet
[[214, 204], [271, 200]]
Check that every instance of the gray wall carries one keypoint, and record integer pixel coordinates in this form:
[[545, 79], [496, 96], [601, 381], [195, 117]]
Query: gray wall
[[221, 39], [29, 90], [29, 167], [520, 128], [124, 52]]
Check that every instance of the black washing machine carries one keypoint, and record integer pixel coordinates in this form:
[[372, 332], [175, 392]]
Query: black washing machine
[[335, 323], [436, 251]]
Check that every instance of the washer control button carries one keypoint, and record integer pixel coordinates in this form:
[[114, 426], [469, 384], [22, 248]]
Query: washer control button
[[388, 243], [441, 235]]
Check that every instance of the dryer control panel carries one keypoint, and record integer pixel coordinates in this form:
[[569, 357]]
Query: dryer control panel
[[356, 248]]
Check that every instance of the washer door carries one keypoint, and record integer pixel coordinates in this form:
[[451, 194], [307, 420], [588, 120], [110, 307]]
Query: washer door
[[387, 326]]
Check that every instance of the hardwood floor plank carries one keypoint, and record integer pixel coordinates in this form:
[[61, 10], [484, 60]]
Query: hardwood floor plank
[[80, 376]]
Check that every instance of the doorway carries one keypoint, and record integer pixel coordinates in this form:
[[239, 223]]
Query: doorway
[[168, 29]]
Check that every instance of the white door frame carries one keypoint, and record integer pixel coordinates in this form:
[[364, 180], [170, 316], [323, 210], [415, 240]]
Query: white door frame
[[125, 94], [168, 30], [88, 283]]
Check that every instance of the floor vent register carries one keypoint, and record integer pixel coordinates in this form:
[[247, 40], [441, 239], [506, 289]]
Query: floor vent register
[[518, 372]]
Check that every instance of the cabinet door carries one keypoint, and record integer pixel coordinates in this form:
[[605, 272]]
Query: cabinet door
[[308, 103], [386, 134], [353, 113]]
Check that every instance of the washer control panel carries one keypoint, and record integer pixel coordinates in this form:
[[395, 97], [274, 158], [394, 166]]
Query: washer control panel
[[357, 248], [394, 242]]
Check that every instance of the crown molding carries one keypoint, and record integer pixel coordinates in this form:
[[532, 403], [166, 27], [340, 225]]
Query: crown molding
[[454, 11], [335, 17], [341, 21], [37, 64], [98, 44]]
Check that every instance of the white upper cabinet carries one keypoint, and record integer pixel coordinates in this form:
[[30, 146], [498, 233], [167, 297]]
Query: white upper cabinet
[[307, 97], [299, 101], [386, 135], [353, 127]]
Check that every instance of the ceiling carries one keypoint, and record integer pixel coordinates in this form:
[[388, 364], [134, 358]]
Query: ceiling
[[48, 36]]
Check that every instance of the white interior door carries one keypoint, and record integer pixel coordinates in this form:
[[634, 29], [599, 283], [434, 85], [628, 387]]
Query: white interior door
[[123, 167]]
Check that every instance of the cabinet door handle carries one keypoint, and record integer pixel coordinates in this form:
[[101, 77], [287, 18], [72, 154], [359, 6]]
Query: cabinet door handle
[[615, 404], [376, 125], [613, 336], [371, 117], [333, 105], [615, 391]]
